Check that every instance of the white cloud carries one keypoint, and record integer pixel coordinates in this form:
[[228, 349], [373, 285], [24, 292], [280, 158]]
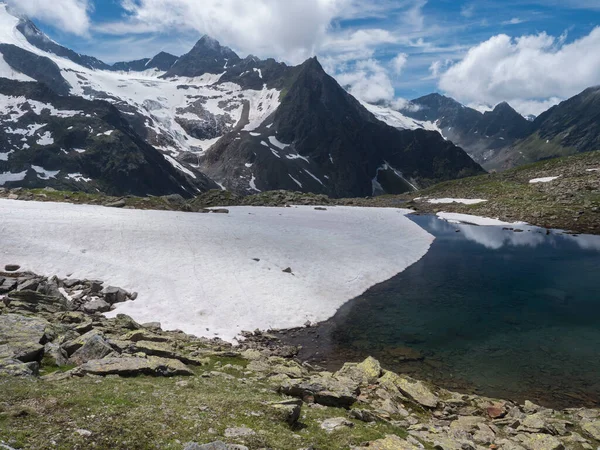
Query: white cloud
[[467, 11], [399, 63], [368, 81], [513, 21], [290, 29], [530, 72], [68, 15]]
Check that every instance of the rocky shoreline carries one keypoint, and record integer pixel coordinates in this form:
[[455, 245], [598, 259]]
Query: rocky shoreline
[[53, 336]]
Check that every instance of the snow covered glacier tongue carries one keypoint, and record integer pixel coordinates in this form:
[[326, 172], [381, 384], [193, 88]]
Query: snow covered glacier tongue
[[217, 274]]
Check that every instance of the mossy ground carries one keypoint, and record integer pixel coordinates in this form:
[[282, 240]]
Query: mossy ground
[[163, 413], [572, 202]]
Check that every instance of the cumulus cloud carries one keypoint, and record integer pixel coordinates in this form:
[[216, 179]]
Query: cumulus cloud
[[399, 63], [530, 72], [289, 30], [69, 15], [368, 81]]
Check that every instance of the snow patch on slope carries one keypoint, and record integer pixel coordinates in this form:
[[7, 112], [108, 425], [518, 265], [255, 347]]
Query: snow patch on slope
[[543, 180]]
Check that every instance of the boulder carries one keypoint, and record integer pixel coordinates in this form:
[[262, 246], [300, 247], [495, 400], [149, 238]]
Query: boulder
[[277, 366], [15, 368], [96, 305], [335, 423], [593, 429], [11, 267], [217, 445], [114, 295], [390, 442], [364, 415], [54, 355], [144, 335], [540, 442], [136, 366], [125, 322], [161, 349], [7, 285], [23, 338], [73, 345], [95, 347], [288, 410], [413, 389], [365, 373], [152, 326], [23, 351], [338, 392]]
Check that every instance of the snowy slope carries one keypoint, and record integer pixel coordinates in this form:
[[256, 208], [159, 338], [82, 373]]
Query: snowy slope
[[197, 272], [398, 120], [161, 104]]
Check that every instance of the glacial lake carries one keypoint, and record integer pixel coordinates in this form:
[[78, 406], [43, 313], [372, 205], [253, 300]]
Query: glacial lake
[[498, 312]]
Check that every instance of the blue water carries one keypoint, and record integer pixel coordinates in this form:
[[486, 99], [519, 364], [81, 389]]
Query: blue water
[[502, 313]]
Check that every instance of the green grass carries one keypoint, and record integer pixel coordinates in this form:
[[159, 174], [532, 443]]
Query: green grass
[[146, 413]]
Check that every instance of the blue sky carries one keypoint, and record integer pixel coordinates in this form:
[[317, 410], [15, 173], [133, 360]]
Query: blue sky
[[531, 53]]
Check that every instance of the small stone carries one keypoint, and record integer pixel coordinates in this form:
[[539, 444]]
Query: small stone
[[239, 432], [220, 211], [336, 423], [11, 267], [217, 445], [84, 433], [288, 270], [496, 411], [117, 204]]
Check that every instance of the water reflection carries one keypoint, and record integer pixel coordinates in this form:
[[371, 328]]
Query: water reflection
[[496, 237], [508, 314]]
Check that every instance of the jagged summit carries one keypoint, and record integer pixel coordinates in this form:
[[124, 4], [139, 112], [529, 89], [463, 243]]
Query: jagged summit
[[207, 56]]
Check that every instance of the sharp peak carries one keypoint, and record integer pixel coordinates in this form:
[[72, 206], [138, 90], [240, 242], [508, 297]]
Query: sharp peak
[[436, 95], [312, 62], [208, 41], [503, 106]]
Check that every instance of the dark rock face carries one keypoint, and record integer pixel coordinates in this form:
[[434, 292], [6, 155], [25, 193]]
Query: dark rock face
[[253, 73], [35, 37], [94, 148], [37, 67], [163, 62], [322, 140], [483, 136], [207, 56], [571, 127], [580, 116]]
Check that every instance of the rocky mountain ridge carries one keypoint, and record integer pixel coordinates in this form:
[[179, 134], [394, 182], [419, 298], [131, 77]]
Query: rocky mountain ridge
[[211, 111]]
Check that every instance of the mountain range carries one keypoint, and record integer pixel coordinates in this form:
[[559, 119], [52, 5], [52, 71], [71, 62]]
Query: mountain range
[[210, 119]]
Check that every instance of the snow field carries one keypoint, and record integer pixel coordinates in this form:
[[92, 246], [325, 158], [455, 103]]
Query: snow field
[[198, 272]]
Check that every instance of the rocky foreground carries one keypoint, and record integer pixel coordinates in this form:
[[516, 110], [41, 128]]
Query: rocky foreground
[[71, 378]]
